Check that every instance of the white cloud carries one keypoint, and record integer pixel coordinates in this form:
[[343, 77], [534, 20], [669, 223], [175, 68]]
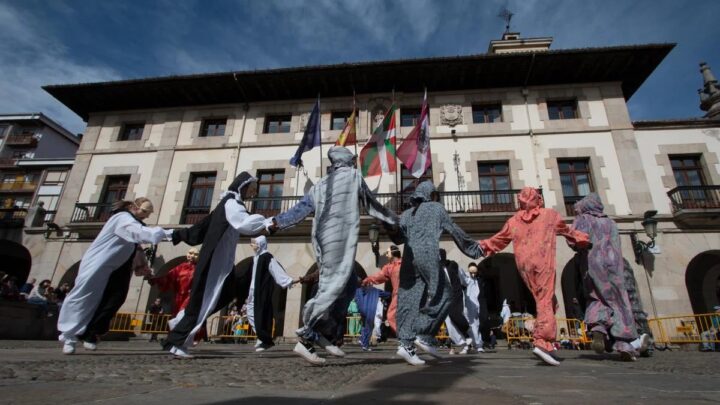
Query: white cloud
[[29, 58]]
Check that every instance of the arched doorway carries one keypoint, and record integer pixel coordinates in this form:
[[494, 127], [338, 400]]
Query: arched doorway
[[70, 275], [501, 281], [309, 290], [702, 279], [16, 260], [167, 298], [573, 291]]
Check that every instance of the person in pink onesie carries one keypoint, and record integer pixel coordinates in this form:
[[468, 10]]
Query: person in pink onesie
[[533, 230], [390, 272]]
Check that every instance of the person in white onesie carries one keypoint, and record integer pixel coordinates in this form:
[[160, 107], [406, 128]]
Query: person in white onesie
[[105, 272]]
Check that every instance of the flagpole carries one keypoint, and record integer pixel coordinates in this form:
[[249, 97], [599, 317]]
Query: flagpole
[[397, 181], [355, 122], [319, 117]]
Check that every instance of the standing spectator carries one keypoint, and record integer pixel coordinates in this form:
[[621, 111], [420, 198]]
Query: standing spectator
[[389, 272], [354, 324], [156, 311]]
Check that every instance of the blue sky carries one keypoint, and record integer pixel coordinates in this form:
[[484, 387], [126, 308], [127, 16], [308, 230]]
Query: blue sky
[[54, 42]]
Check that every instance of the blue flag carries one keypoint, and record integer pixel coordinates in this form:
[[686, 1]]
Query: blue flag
[[311, 138]]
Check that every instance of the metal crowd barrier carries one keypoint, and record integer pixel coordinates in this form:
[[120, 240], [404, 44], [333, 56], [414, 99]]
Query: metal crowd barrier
[[680, 329], [520, 330], [140, 322], [233, 327]]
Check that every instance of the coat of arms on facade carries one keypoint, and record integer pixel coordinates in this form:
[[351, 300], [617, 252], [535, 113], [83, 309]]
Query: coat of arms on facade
[[379, 108], [451, 114]]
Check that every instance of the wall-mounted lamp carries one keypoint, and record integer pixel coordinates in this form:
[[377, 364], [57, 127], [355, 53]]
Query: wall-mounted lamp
[[374, 236], [650, 225]]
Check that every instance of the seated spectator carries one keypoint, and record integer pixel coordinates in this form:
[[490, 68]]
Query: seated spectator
[[564, 339], [9, 290], [709, 336], [27, 287], [38, 295], [61, 292]]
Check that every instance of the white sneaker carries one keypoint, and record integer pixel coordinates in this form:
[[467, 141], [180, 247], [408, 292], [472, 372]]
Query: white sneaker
[[464, 350], [545, 356], [480, 350], [181, 353], [427, 348], [262, 347], [468, 341], [411, 358], [90, 346], [308, 355], [329, 347], [644, 343], [68, 347]]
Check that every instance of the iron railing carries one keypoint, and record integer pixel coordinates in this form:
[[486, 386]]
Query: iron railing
[[570, 204], [91, 212], [12, 217], [694, 197], [454, 201], [193, 215], [21, 140]]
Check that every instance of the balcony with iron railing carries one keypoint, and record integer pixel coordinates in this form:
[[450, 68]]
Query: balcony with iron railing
[[18, 186], [7, 162], [23, 140], [486, 210], [696, 206], [12, 217]]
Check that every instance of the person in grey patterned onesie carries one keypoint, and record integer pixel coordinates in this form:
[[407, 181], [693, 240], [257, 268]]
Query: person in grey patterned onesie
[[336, 201], [424, 293]]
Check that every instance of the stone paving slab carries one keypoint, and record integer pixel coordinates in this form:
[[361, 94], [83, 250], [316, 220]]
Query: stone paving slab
[[35, 372]]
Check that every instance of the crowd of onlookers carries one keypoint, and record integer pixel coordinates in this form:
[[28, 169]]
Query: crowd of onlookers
[[42, 294]]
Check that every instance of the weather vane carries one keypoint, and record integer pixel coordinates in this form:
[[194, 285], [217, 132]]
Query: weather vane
[[506, 15]]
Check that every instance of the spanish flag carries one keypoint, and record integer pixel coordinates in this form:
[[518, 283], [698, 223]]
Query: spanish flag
[[348, 136]]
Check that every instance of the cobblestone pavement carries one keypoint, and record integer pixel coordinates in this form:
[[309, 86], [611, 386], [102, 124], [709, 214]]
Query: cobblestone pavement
[[137, 372]]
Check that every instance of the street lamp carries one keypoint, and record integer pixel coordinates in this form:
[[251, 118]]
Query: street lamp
[[374, 236], [650, 225]]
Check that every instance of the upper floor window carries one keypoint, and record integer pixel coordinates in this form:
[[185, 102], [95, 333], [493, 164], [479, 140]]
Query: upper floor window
[[338, 119], [199, 197], [213, 127], [270, 192], [688, 170], [486, 113], [55, 177], [576, 181], [409, 116], [276, 124], [131, 132], [494, 180], [114, 190], [562, 109]]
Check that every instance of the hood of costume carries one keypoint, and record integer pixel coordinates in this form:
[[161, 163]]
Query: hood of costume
[[531, 203], [591, 205]]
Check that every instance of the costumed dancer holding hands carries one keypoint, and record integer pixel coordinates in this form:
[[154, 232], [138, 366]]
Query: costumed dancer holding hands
[[424, 295], [105, 272], [389, 272], [609, 314], [266, 273], [336, 200], [533, 230], [213, 285]]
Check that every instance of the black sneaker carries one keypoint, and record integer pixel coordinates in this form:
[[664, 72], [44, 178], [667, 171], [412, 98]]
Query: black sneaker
[[598, 342]]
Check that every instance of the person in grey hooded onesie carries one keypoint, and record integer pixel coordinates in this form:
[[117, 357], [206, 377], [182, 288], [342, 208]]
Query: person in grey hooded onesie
[[336, 201], [424, 293]]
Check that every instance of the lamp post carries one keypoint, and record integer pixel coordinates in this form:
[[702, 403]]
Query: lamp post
[[650, 225], [639, 247], [374, 236]]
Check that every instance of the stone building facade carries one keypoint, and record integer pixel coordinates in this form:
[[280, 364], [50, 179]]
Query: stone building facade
[[556, 120]]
